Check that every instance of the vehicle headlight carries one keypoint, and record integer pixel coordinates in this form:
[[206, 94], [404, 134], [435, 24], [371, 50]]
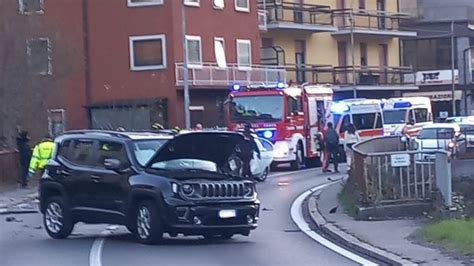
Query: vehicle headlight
[[188, 189], [281, 149], [248, 189]]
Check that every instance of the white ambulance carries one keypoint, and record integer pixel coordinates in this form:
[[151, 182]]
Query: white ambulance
[[406, 116], [365, 114]]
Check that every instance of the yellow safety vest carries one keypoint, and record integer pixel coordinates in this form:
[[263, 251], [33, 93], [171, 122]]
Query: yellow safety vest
[[41, 155]]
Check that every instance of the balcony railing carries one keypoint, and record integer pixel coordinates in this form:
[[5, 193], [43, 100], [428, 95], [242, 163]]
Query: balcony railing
[[289, 15], [373, 75], [314, 74], [210, 74], [346, 19], [262, 20]]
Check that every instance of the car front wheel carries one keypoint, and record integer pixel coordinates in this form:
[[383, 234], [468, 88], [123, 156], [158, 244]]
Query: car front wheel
[[57, 220], [148, 227]]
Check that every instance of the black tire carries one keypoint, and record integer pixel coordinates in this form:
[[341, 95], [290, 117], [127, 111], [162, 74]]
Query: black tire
[[296, 164], [57, 218], [264, 176], [148, 227]]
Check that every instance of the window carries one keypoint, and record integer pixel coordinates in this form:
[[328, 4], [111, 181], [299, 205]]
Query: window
[[145, 149], [39, 56], [267, 145], [346, 121], [31, 6], [64, 149], [191, 2], [219, 50], [218, 4], [436, 133], [81, 152], [244, 53], [133, 3], [361, 5], [367, 121], [421, 115], [363, 54], [294, 106], [110, 150], [242, 5], [194, 50], [147, 52]]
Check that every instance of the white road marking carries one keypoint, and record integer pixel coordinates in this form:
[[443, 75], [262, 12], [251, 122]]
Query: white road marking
[[297, 216], [95, 255], [292, 172]]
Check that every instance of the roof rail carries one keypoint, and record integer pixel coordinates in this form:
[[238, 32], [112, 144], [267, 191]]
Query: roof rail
[[86, 131]]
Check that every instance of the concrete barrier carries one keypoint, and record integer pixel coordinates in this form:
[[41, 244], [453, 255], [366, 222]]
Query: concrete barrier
[[9, 167]]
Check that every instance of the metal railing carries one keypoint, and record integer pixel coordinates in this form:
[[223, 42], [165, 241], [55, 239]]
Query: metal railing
[[210, 74], [373, 75], [369, 19], [386, 173], [466, 145], [314, 74], [262, 20], [281, 11], [274, 56]]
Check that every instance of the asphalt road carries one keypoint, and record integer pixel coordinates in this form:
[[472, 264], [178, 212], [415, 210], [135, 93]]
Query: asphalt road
[[277, 241]]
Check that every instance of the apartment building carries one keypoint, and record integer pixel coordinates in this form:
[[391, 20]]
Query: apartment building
[[430, 54], [354, 45], [136, 69], [42, 70]]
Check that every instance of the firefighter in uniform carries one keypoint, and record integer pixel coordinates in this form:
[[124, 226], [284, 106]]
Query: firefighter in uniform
[[41, 155]]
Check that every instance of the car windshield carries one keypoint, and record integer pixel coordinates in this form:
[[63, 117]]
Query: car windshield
[[391, 117], [186, 164], [256, 108], [367, 121], [436, 133], [145, 149]]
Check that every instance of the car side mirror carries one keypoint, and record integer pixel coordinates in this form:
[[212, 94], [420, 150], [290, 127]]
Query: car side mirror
[[112, 164]]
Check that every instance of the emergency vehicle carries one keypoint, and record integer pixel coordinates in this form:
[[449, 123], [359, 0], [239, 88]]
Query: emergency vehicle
[[364, 114], [290, 117], [406, 116]]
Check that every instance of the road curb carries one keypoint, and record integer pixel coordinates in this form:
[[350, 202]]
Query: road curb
[[348, 240]]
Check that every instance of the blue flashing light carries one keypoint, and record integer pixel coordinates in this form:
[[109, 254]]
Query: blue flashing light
[[402, 105], [235, 87], [339, 108], [268, 134], [280, 85]]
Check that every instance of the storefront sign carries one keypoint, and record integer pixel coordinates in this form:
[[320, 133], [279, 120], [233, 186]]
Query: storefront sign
[[400, 160], [436, 96], [436, 77]]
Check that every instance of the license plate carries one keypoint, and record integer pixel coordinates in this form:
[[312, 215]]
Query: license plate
[[227, 214]]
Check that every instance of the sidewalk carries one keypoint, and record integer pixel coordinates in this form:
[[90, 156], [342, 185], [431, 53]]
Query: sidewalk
[[388, 238], [12, 195]]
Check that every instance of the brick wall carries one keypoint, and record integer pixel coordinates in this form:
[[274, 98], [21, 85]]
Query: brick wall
[[9, 167]]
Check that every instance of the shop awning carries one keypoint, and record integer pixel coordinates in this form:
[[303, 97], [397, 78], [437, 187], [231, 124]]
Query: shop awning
[[436, 96]]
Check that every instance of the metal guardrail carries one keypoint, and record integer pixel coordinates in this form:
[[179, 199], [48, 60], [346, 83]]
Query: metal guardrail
[[369, 19], [210, 74], [281, 11], [386, 173]]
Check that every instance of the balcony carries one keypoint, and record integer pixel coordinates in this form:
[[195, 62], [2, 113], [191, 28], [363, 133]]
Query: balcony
[[370, 23], [307, 18], [212, 75], [385, 78]]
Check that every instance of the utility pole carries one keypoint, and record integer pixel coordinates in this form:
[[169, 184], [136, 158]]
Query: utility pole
[[453, 84], [354, 81], [187, 115]]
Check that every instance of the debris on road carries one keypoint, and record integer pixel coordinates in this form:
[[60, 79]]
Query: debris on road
[[12, 219]]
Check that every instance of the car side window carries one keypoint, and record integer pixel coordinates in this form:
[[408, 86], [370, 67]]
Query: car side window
[[345, 124], [65, 149], [266, 145], [421, 115], [80, 152], [110, 150]]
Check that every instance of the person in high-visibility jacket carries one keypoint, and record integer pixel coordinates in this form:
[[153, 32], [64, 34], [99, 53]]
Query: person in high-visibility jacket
[[41, 155]]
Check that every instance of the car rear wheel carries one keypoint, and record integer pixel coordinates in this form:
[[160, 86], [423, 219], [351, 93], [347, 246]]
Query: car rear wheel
[[297, 163], [264, 176], [148, 225], [57, 219]]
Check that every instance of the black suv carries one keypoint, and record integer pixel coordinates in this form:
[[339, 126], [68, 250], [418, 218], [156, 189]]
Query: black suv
[[151, 183]]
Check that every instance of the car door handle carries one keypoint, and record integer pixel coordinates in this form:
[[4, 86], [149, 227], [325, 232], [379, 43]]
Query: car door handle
[[95, 178]]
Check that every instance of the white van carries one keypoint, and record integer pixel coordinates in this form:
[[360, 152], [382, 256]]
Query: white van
[[406, 116]]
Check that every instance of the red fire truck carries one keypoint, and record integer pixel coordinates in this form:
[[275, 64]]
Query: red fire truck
[[290, 117]]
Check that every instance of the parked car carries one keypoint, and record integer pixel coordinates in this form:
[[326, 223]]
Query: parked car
[[261, 166], [460, 119], [151, 183], [436, 137]]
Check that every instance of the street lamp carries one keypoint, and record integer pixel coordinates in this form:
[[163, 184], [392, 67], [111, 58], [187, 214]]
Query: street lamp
[[187, 115]]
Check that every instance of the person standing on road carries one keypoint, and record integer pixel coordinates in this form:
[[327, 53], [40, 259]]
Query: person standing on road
[[351, 137], [41, 155], [24, 150], [248, 147], [332, 144]]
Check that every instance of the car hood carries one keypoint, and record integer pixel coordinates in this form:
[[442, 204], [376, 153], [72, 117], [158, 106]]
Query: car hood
[[216, 147]]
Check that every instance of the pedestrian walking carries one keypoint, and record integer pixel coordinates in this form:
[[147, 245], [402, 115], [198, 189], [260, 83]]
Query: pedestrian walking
[[41, 155], [351, 137], [24, 149], [248, 148], [332, 144]]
